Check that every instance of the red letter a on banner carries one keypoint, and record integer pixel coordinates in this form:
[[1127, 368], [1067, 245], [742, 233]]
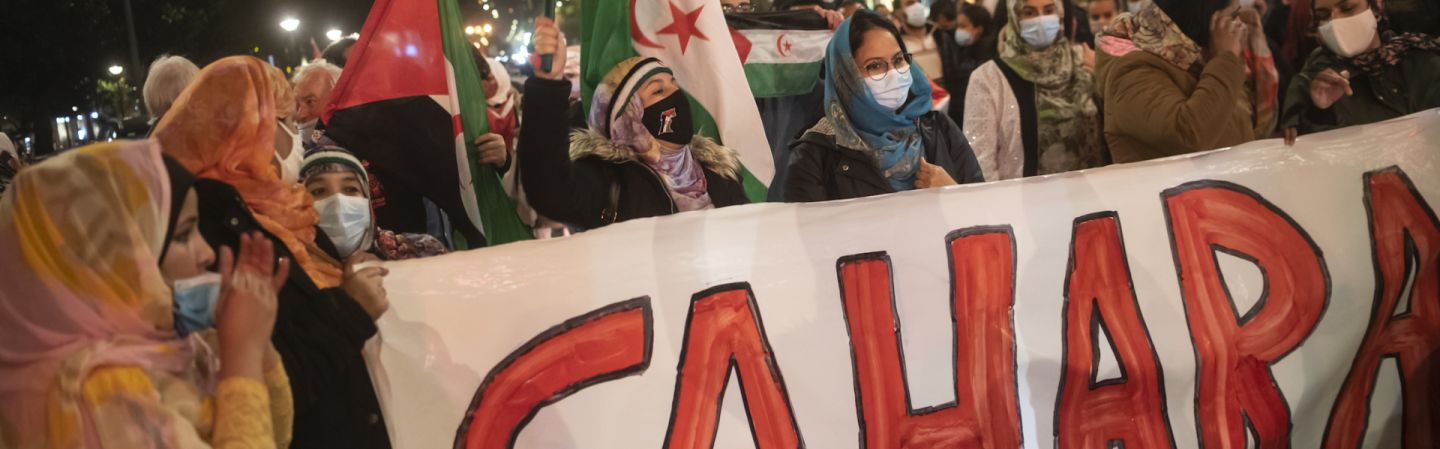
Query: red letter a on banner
[[1129, 410], [1406, 238], [986, 412], [724, 332], [1237, 393], [606, 344]]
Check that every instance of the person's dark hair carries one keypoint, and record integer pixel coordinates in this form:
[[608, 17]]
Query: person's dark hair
[[979, 17], [865, 20], [480, 63], [847, 3], [1192, 16], [946, 9], [335, 53]]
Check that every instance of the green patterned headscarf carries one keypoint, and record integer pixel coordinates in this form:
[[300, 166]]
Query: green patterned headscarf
[[1067, 129]]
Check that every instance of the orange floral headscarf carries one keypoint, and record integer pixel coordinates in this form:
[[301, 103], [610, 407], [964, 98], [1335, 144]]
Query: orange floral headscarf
[[223, 128]]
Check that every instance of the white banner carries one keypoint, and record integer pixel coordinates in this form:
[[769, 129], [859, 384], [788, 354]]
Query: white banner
[[1261, 296]]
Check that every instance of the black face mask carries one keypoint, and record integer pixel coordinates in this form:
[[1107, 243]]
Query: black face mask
[[669, 120]]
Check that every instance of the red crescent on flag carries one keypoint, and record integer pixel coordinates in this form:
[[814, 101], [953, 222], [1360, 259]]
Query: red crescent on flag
[[780, 46], [638, 35]]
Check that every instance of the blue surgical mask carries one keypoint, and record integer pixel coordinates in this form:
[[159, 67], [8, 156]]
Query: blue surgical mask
[[963, 37], [892, 90], [195, 301], [1040, 32]]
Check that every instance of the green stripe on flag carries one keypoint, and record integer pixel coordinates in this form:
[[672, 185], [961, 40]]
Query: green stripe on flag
[[705, 125], [782, 80], [500, 222], [604, 42]]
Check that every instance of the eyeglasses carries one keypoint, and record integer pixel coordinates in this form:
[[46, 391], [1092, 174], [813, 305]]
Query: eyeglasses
[[876, 69], [728, 8]]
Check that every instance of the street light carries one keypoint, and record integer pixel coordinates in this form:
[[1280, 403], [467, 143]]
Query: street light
[[488, 29], [334, 34], [290, 24], [469, 30], [116, 70]]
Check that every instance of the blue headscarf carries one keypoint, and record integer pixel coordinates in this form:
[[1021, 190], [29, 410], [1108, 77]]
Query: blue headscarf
[[861, 123]]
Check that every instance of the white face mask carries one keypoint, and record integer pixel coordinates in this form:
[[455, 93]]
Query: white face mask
[[1040, 32], [915, 15], [307, 131], [346, 220], [1135, 6], [963, 38], [1349, 36], [891, 91], [290, 165]]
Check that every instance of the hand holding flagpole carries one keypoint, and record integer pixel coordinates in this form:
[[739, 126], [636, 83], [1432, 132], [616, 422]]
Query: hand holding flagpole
[[549, 43]]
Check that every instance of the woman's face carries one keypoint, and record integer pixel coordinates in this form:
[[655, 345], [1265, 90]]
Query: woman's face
[[189, 254], [491, 85], [1327, 10], [878, 53], [1037, 8], [658, 87], [1101, 12], [963, 22], [323, 185]]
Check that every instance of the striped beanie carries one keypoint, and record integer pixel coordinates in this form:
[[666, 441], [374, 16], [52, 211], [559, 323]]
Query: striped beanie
[[332, 159]]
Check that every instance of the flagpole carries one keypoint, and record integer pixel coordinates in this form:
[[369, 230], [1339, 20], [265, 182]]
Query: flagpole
[[547, 60]]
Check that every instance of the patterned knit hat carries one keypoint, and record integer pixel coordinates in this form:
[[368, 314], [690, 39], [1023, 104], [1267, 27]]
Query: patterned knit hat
[[332, 159]]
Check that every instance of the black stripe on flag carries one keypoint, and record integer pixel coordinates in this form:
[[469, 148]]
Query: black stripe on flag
[[413, 139]]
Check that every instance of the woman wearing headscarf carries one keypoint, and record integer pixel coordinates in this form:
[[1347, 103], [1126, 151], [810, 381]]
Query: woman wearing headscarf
[[1363, 73], [972, 44], [641, 157], [113, 333], [1030, 111], [1166, 95], [341, 187], [879, 134], [224, 129]]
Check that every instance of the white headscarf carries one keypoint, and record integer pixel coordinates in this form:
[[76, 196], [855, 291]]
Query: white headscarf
[[501, 97]]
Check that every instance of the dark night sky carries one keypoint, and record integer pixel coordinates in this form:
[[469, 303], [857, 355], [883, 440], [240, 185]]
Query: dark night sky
[[53, 51]]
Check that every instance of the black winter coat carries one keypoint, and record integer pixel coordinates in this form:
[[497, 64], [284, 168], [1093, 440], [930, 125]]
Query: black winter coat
[[584, 179], [318, 333], [821, 170]]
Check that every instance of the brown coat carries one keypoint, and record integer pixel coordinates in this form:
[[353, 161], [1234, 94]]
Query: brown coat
[[1154, 109]]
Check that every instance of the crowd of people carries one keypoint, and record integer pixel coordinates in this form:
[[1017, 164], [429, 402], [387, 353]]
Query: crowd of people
[[213, 285]]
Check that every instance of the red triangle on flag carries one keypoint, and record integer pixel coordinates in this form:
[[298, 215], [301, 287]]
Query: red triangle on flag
[[399, 54]]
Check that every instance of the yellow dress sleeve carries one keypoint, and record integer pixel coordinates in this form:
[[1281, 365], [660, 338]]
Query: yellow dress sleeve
[[242, 415], [282, 404]]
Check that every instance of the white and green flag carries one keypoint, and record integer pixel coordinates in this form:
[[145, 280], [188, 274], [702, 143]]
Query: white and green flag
[[783, 52]]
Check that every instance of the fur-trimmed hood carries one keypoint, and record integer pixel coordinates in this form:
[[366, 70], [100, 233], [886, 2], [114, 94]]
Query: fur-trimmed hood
[[712, 156]]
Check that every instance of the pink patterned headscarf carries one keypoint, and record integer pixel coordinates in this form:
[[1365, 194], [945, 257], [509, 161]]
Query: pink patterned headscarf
[[80, 236]]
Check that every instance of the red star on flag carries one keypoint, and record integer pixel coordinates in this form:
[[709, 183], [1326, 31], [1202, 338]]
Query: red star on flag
[[682, 25]]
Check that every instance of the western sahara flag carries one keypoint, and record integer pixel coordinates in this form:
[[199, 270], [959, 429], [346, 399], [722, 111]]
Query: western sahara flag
[[692, 38], [783, 52], [410, 101]]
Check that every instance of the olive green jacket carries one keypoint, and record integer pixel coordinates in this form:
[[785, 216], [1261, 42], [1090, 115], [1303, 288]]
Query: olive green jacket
[[1411, 86]]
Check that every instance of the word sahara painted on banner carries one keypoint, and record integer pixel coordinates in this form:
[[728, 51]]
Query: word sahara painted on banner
[[1262, 296]]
